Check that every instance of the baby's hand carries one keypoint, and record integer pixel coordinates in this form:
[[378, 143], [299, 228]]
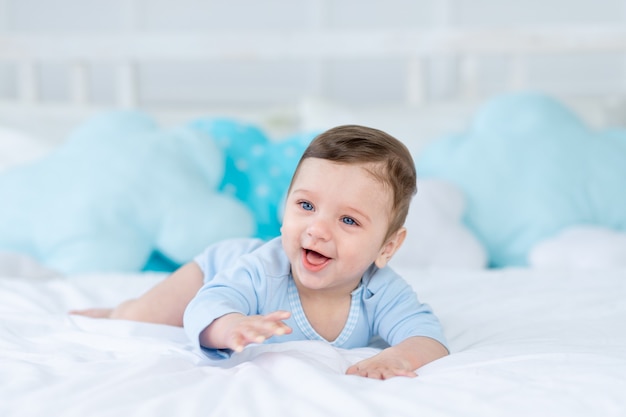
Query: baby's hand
[[382, 366], [236, 331], [400, 360], [95, 313]]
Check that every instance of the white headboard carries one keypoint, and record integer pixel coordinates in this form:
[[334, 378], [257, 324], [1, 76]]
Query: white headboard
[[465, 52]]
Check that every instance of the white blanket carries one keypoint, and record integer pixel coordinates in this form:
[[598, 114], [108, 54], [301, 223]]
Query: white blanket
[[524, 342]]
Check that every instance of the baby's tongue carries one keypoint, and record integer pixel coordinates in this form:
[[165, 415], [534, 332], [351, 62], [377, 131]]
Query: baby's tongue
[[315, 258]]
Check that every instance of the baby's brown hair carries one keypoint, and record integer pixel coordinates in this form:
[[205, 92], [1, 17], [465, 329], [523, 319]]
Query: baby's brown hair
[[353, 144]]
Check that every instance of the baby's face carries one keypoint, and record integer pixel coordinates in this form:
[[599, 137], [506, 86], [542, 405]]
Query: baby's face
[[335, 222]]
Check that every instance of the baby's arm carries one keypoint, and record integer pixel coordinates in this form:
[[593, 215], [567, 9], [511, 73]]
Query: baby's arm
[[164, 303], [235, 331], [400, 360]]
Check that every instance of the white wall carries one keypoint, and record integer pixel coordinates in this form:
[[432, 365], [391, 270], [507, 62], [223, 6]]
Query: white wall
[[346, 81]]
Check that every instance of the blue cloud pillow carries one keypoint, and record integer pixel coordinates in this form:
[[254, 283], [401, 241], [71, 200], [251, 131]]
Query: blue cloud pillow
[[123, 194], [257, 170], [529, 168]]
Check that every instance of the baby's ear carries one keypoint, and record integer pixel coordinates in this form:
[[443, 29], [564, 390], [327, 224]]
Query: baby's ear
[[391, 245]]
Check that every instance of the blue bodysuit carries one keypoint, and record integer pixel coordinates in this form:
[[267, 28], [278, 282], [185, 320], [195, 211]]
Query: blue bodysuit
[[252, 277]]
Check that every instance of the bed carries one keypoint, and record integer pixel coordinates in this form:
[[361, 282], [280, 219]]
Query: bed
[[522, 341], [535, 322]]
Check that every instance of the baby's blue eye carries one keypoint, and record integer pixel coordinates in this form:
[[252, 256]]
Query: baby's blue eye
[[349, 221], [306, 206]]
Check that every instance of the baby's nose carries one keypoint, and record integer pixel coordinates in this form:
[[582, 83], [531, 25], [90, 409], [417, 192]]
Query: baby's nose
[[319, 228]]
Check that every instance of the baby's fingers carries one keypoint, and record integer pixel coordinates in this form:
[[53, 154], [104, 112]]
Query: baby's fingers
[[257, 329], [96, 313], [245, 336], [278, 315], [275, 322], [273, 325], [379, 372]]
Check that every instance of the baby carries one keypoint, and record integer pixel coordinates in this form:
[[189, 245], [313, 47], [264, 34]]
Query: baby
[[325, 278]]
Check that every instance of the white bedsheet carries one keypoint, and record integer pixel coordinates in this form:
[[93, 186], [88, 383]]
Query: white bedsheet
[[524, 342]]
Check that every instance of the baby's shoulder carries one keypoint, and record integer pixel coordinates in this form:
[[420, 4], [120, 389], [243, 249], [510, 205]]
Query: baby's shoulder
[[383, 280], [270, 260]]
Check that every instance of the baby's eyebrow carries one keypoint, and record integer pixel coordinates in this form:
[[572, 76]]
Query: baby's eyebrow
[[302, 192]]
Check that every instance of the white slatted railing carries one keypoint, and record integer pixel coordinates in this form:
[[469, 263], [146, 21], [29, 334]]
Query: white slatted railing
[[466, 46]]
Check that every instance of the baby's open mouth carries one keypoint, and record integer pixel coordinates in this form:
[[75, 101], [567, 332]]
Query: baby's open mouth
[[314, 260]]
